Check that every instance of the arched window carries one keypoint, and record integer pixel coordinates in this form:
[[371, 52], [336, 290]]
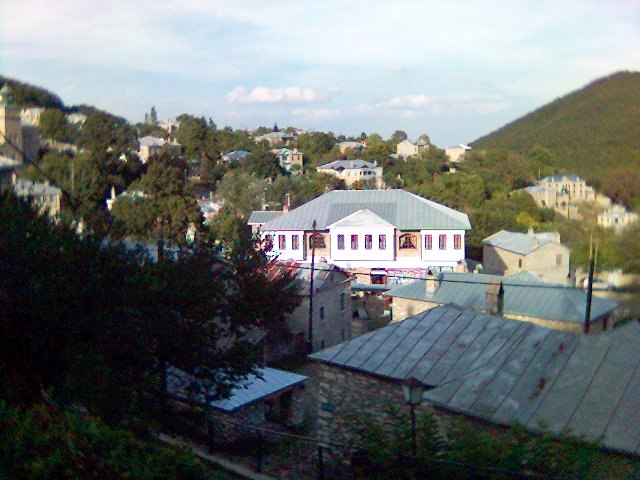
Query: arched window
[[317, 240], [408, 240]]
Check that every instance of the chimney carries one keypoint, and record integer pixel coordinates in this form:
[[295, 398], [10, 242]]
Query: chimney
[[530, 232], [287, 203], [432, 284], [495, 298]]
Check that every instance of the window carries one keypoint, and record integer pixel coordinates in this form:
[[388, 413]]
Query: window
[[382, 242], [340, 242], [295, 242], [408, 240], [317, 241], [321, 313], [428, 242], [282, 242], [519, 263], [457, 241], [354, 242], [342, 302], [268, 242], [442, 242], [558, 259], [368, 242]]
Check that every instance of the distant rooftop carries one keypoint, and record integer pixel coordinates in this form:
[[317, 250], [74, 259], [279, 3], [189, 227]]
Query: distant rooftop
[[348, 165], [521, 243]]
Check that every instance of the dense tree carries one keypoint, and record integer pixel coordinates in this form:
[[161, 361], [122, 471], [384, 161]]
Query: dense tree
[[197, 137], [103, 133], [94, 325], [53, 124], [397, 137], [167, 197], [242, 192]]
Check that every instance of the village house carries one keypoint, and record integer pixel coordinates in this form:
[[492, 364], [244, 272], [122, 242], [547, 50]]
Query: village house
[[332, 313], [372, 233], [151, 146], [478, 367], [354, 171], [345, 146], [8, 169], [457, 153], [267, 399], [617, 218], [76, 118], [31, 116], [276, 138], [407, 148], [564, 194], [506, 253], [133, 195], [289, 160], [520, 297], [44, 196], [233, 157]]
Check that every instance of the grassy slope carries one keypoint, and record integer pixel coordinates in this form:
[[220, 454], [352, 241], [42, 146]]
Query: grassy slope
[[589, 131]]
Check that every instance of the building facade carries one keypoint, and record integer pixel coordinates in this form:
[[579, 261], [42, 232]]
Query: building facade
[[617, 217], [507, 253], [11, 142], [354, 171], [289, 160], [379, 234], [407, 148]]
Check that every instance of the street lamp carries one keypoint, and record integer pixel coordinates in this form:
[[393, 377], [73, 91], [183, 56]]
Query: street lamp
[[412, 388]]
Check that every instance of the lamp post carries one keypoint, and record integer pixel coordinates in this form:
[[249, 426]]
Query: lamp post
[[412, 388]]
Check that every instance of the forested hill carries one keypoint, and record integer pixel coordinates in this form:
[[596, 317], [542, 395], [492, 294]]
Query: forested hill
[[27, 95], [589, 131]]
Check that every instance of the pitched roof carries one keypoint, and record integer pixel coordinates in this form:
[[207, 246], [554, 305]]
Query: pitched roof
[[361, 218], [27, 188], [561, 178], [347, 165], [258, 217], [400, 208], [267, 381], [585, 385], [236, 155], [521, 243], [510, 372], [523, 295]]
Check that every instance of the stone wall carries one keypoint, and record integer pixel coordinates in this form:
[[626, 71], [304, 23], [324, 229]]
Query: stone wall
[[344, 396]]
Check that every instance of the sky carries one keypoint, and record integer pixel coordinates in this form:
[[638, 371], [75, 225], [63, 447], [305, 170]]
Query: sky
[[455, 70]]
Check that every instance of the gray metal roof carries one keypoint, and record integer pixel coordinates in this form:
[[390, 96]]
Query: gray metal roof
[[151, 141], [236, 155], [521, 243], [510, 372], [258, 217], [584, 385], [266, 382], [523, 295], [400, 208], [348, 165]]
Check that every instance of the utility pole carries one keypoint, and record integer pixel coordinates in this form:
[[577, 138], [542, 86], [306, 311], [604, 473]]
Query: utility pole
[[587, 314], [313, 260]]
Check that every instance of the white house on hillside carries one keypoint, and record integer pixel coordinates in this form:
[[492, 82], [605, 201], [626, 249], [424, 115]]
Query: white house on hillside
[[407, 148], [381, 233], [352, 171]]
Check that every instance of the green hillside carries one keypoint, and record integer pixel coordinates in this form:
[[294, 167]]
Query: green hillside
[[27, 95], [590, 131]]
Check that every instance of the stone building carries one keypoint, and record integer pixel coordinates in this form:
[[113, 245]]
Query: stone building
[[479, 367], [506, 253], [289, 160], [617, 217], [44, 196], [524, 297], [407, 148]]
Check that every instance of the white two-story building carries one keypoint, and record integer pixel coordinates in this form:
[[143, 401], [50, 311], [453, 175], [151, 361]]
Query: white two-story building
[[381, 233]]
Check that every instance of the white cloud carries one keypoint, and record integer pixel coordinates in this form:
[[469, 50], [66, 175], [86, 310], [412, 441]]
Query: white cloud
[[273, 95], [410, 101]]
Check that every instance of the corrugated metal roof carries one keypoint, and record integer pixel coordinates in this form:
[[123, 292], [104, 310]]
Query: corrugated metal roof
[[522, 296], [267, 381], [585, 385], [403, 209], [521, 243], [561, 178], [509, 372], [263, 216]]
